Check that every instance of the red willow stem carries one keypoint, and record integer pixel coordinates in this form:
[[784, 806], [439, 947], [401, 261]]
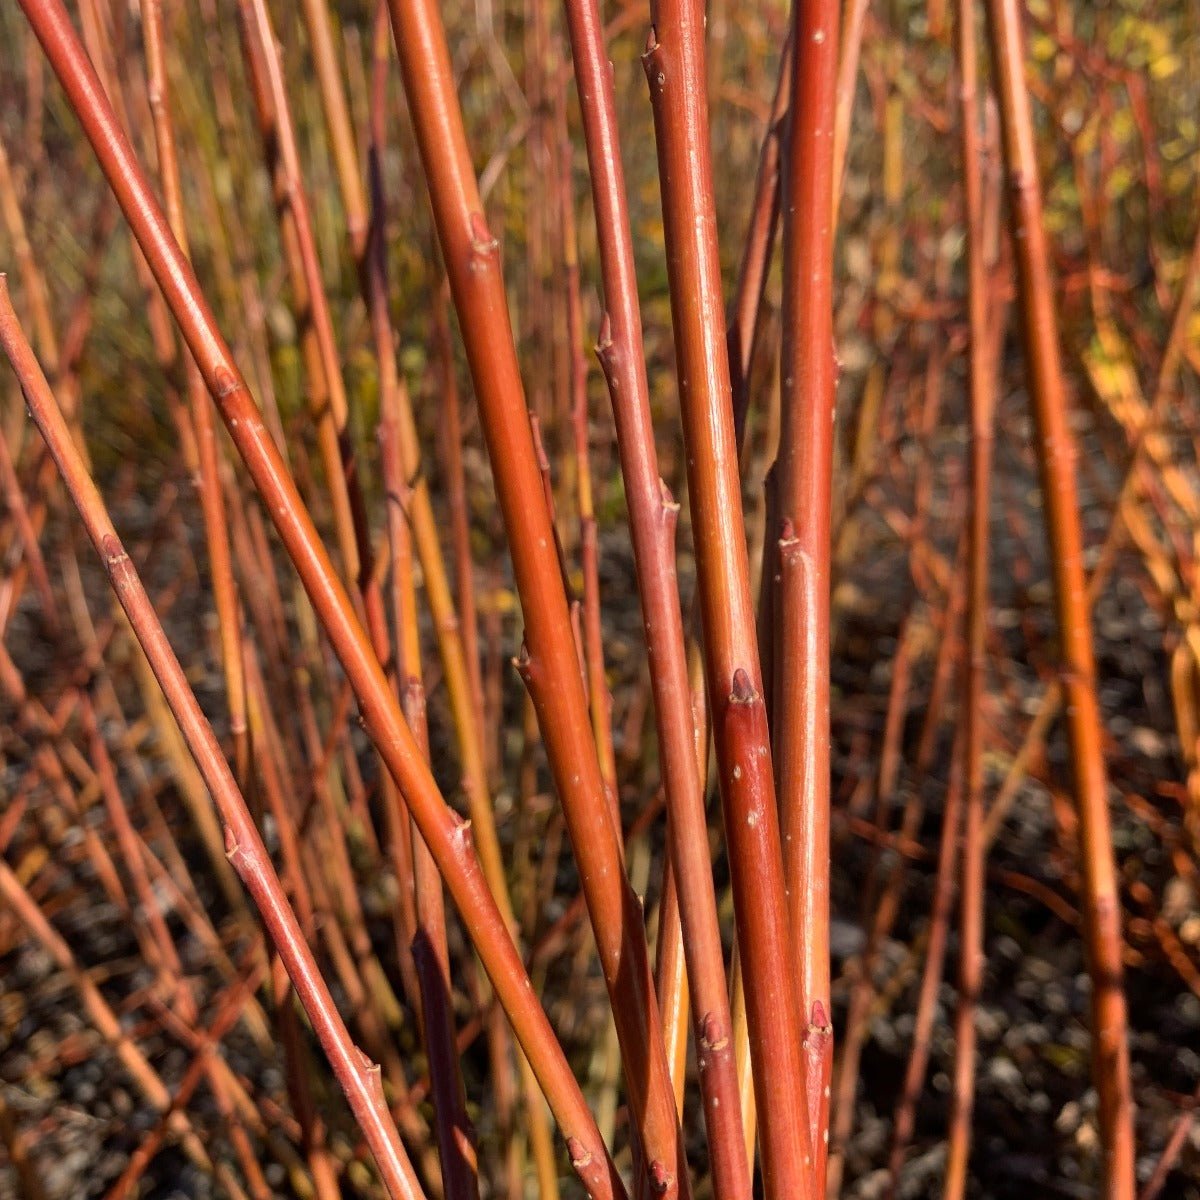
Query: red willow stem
[[652, 521], [675, 68], [743, 315], [804, 472], [974, 850], [549, 663], [358, 1076], [1056, 460], [447, 836]]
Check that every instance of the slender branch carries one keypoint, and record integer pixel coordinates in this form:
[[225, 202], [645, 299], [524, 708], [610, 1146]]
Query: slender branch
[[548, 663], [676, 71], [1056, 459], [971, 951], [448, 838], [652, 519], [804, 471], [358, 1076], [212, 500]]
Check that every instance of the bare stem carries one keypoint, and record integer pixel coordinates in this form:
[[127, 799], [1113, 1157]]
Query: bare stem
[[1056, 458]]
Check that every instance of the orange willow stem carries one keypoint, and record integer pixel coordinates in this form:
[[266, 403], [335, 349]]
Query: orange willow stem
[[33, 283], [652, 521], [456, 498], [974, 851], [847, 85], [25, 530], [430, 953], [746, 303], [804, 499], [451, 631], [338, 125], [675, 68], [454, 1134], [418, 509], [409, 502], [358, 1076], [599, 697], [212, 498], [1164, 395], [327, 388], [66, 381], [549, 663], [448, 838], [670, 980], [1056, 458]]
